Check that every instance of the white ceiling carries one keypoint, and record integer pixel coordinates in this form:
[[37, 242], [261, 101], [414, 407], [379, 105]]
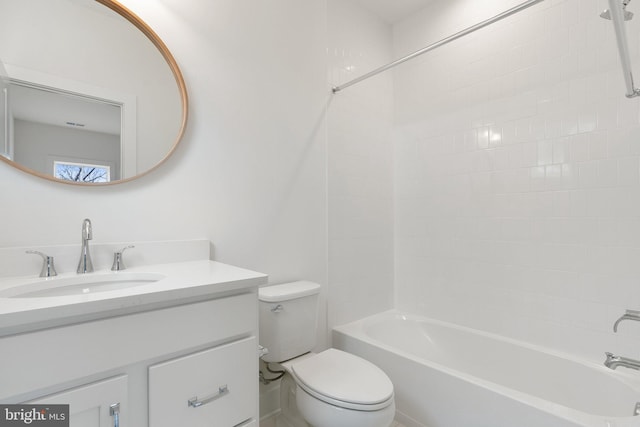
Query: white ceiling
[[393, 10]]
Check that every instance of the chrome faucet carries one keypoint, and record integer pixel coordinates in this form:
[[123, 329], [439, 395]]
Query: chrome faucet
[[628, 315], [613, 362], [85, 265]]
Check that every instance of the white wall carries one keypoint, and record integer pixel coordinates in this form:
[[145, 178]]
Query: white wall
[[250, 173], [360, 166], [518, 177]]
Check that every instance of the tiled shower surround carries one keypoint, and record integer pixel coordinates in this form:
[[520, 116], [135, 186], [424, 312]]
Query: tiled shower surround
[[517, 175]]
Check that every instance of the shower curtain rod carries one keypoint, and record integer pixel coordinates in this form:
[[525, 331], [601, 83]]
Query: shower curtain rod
[[442, 42], [616, 11]]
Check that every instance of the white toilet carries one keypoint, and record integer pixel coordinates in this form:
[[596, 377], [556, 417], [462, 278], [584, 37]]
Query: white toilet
[[329, 389]]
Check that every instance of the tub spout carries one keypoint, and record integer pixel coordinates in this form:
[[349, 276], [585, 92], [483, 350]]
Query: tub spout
[[613, 362]]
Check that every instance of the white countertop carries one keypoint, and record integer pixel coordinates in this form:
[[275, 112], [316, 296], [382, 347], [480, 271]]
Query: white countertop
[[185, 282]]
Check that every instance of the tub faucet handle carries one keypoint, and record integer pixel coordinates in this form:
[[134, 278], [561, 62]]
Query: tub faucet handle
[[48, 268], [118, 262], [628, 315]]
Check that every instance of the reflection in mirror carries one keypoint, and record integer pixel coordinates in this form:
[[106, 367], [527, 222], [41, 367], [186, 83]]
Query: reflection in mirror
[[87, 95], [69, 136]]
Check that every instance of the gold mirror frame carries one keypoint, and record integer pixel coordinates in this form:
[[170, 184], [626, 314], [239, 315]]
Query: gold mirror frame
[[177, 74]]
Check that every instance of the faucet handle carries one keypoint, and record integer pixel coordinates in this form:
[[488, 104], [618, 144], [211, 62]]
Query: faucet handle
[[118, 262], [48, 269], [628, 315]]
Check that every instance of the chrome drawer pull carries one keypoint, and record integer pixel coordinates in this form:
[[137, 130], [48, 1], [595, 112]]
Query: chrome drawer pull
[[222, 391]]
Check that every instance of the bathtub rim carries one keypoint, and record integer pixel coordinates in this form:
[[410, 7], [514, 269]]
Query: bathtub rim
[[356, 330]]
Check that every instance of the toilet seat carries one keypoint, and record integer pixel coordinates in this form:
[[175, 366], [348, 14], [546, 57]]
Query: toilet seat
[[344, 380]]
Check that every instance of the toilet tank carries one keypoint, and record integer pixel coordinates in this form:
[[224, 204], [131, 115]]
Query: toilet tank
[[288, 318]]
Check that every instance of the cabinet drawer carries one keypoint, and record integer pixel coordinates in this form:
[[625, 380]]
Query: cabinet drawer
[[89, 404], [222, 383]]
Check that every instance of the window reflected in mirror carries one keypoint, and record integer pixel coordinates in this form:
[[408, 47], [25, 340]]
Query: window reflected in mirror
[[81, 172]]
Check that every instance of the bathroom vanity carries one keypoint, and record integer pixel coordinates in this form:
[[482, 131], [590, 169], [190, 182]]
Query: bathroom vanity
[[179, 350]]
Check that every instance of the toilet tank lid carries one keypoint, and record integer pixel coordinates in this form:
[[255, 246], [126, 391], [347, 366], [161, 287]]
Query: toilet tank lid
[[288, 291]]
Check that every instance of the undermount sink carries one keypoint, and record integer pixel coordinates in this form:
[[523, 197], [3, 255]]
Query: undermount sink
[[80, 285]]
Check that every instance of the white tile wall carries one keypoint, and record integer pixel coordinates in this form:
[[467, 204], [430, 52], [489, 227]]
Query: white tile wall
[[360, 170], [517, 167]]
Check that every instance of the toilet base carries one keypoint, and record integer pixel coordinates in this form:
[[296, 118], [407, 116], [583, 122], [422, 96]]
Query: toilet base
[[289, 414]]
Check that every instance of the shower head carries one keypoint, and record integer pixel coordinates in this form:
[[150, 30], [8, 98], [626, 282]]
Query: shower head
[[606, 14], [628, 16]]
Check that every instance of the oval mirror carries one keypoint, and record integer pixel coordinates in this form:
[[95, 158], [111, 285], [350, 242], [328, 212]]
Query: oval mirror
[[89, 94]]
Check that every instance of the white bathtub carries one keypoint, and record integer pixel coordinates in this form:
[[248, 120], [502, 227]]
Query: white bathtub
[[450, 376]]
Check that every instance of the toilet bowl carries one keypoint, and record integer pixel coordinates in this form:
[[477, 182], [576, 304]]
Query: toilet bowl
[[328, 389], [335, 388]]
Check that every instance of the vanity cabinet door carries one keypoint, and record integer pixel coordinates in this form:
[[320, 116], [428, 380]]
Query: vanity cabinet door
[[89, 405], [215, 387]]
